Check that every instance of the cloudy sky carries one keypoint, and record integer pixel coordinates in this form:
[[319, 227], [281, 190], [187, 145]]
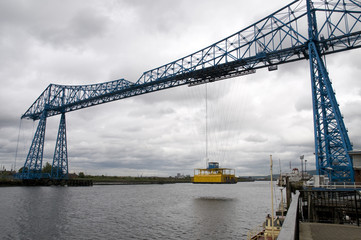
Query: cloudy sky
[[163, 133]]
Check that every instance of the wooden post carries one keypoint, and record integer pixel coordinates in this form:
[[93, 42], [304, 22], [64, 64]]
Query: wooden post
[[272, 214]]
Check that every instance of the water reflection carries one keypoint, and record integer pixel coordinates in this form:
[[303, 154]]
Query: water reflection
[[211, 198], [179, 211], [214, 216], [42, 210]]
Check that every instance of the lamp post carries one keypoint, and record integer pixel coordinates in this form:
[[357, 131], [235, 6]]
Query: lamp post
[[302, 157]]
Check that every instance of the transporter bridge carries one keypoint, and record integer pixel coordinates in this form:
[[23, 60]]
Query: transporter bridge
[[302, 30]]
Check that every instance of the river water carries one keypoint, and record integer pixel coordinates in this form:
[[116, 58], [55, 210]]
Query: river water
[[169, 211]]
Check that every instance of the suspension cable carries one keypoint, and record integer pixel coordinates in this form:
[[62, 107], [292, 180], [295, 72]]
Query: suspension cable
[[17, 144]]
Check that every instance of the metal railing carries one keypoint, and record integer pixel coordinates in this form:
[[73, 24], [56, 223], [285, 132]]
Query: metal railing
[[330, 206], [321, 206], [338, 185], [290, 229]]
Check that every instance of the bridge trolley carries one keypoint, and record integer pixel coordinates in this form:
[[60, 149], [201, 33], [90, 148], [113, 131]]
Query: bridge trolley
[[213, 174]]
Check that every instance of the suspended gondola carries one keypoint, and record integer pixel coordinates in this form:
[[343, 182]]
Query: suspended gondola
[[213, 174]]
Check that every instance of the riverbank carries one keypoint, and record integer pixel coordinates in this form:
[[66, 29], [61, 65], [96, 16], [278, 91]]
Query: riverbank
[[10, 182], [101, 180], [112, 180], [45, 182]]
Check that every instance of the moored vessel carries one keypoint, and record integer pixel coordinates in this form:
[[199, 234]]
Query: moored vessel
[[268, 230], [271, 228]]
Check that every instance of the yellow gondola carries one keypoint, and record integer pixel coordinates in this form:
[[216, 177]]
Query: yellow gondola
[[214, 174]]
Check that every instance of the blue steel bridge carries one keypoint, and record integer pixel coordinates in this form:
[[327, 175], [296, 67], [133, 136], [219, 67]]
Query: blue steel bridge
[[302, 30]]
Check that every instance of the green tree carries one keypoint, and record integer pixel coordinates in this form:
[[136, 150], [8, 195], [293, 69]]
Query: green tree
[[21, 169], [46, 168], [81, 175]]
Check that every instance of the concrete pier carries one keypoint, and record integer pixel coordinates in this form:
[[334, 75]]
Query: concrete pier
[[324, 231]]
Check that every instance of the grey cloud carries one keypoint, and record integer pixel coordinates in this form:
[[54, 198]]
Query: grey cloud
[[55, 23], [151, 112], [303, 105], [77, 30], [255, 138]]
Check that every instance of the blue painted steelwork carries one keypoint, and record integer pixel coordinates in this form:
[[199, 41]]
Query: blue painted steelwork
[[59, 169], [212, 165], [59, 99], [301, 30], [34, 160], [332, 143]]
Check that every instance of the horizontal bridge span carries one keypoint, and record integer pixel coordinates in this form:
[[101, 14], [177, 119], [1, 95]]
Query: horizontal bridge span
[[279, 38]]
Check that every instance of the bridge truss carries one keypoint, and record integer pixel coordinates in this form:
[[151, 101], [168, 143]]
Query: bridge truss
[[303, 29]]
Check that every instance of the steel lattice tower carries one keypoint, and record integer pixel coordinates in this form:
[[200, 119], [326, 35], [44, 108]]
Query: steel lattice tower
[[59, 168], [332, 143], [34, 160]]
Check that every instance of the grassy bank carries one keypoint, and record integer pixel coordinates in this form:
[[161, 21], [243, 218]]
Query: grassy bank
[[111, 180]]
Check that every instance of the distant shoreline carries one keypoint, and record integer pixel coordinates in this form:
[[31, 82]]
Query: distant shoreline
[[113, 180], [101, 182], [134, 183]]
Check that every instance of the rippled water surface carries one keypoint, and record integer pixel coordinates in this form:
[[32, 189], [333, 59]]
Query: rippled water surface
[[170, 211]]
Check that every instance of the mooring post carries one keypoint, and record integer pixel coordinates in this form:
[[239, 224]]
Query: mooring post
[[357, 219]]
